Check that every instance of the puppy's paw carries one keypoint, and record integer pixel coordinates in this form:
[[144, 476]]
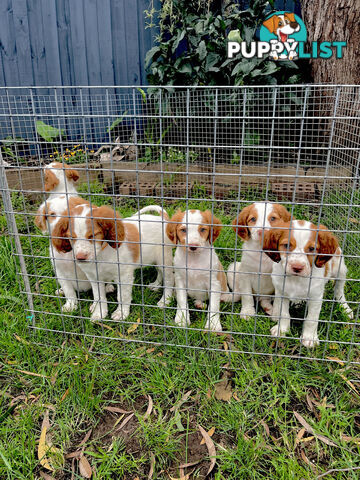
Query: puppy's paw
[[109, 288], [70, 305], [98, 314], [199, 304], [59, 292], [278, 331], [348, 311], [213, 323], [182, 318], [268, 308], [309, 342], [247, 312], [121, 313], [164, 301]]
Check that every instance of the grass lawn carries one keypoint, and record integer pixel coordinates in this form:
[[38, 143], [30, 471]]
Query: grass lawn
[[271, 417]]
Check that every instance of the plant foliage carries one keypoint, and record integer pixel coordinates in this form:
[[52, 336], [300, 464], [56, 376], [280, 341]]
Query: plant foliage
[[191, 48]]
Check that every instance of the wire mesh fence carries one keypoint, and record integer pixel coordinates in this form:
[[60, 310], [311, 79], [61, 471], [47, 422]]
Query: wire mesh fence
[[238, 182]]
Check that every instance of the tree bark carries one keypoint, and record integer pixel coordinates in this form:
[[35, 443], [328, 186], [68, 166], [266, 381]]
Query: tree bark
[[334, 20]]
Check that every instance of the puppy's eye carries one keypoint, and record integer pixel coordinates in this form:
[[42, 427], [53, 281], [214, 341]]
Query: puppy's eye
[[280, 24], [311, 249], [272, 219], [202, 230], [285, 245], [252, 219], [183, 230]]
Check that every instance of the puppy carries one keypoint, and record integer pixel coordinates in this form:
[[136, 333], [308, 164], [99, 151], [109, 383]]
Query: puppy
[[70, 277], [282, 25], [253, 273], [109, 249], [305, 258], [198, 271], [60, 179]]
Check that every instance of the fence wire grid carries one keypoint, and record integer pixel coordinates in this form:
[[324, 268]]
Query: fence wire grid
[[85, 258]]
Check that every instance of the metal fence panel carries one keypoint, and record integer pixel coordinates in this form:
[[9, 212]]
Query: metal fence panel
[[190, 148]]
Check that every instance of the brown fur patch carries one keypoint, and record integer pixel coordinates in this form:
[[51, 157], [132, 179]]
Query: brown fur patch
[[328, 245], [133, 237], [213, 224], [275, 240], [40, 219], [240, 224], [50, 180], [60, 235], [108, 225], [172, 228], [222, 278], [280, 213]]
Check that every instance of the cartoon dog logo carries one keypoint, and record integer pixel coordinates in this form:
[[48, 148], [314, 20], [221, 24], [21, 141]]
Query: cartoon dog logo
[[282, 25]]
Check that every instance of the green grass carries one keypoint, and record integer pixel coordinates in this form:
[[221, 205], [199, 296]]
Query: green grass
[[255, 432]]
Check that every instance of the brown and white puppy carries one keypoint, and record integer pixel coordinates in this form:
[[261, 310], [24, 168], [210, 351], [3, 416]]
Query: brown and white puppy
[[305, 257], [60, 179], [252, 276], [198, 271], [107, 248]]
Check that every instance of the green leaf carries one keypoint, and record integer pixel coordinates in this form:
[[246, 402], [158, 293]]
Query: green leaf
[[143, 94], [211, 60], [151, 54], [201, 50], [47, 132], [180, 36], [185, 68], [116, 122], [234, 36], [244, 67]]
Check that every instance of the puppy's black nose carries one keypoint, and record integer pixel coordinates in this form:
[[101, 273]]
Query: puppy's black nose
[[193, 249]]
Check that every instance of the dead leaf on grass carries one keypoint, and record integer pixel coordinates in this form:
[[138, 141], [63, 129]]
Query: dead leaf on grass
[[116, 410], [85, 467], [125, 421], [266, 427], [21, 340], [86, 438], [310, 430], [185, 477], [211, 448], [351, 385], [304, 457], [26, 372], [76, 454], [210, 433], [152, 465], [299, 435], [309, 403], [353, 220], [182, 400], [46, 476], [223, 390], [133, 327], [236, 397], [208, 394], [49, 457], [345, 438], [149, 409], [65, 395], [103, 325]]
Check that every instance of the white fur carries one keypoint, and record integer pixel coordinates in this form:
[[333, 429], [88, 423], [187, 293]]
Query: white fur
[[117, 264], [307, 285], [65, 186], [196, 274]]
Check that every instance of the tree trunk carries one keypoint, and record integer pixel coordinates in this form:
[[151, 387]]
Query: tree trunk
[[334, 20]]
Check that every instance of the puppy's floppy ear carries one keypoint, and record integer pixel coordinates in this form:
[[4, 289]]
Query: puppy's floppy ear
[[111, 224], [328, 246], [285, 215], [40, 219], [240, 225], [60, 235], [171, 228], [271, 244], [50, 180], [214, 224], [270, 24], [71, 174]]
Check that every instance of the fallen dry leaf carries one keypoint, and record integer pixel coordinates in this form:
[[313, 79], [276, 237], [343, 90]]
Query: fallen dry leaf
[[116, 410], [65, 395], [307, 439], [21, 340], [266, 427], [49, 457], [353, 220], [208, 394], [223, 389], [299, 435], [103, 325], [191, 464], [125, 421], [150, 350], [85, 467], [226, 346], [211, 448], [182, 400], [236, 397], [46, 476], [149, 409], [309, 402], [76, 454], [304, 457], [345, 438], [86, 438], [337, 360], [26, 372], [134, 326], [351, 385], [152, 465], [210, 433], [310, 430], [185, 477]]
